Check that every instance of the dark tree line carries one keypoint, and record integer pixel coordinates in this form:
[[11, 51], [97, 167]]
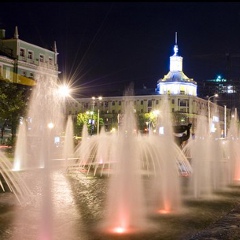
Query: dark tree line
[[13, 106]]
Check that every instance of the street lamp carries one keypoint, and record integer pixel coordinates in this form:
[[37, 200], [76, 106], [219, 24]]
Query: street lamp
[[209, 115], [90, 120], [94, 99], [99, 98], [64, 92]]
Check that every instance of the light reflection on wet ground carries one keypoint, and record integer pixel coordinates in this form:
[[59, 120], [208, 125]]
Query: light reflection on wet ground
[[78, 207]]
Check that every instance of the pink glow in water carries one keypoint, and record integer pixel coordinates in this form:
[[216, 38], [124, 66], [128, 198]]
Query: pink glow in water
[[164, 211], [127, 154]]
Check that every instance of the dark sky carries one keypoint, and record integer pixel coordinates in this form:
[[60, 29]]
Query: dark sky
[[106, 46]]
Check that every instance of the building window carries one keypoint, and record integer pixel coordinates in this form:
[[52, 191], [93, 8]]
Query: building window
[[30, 55], [8, 73], [41, 58], [141, 102], [22, 52], [31, 75], [50, 61], [183, 103], [113, 103], [149, 103]]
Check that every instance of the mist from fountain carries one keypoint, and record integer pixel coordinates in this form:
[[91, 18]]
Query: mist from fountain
[[13, 181], [128, 160], [166, 182], [198, 151], [21, 152], [127, 157], [232, 146], [68, 145], [44, 122], [208, 156]]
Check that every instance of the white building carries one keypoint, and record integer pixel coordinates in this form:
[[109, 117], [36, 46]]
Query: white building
[[182, 96]]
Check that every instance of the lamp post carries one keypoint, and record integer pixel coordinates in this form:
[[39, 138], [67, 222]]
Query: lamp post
[[99, 98], [93, 105], [209, 115], [225, 121], [94, 99], [90, 120]]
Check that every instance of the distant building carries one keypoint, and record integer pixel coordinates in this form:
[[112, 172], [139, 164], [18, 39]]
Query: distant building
[[20, 61], [228, 91], [181, 92]]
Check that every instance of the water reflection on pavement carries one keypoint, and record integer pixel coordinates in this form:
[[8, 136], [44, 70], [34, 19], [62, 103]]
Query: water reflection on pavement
[[77, 206], [24, 222]]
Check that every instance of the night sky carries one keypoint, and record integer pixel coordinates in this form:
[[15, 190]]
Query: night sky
[[106, 46]]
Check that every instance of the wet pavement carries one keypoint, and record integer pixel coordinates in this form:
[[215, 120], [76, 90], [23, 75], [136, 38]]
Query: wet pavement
[[225, 228], [76, 207]]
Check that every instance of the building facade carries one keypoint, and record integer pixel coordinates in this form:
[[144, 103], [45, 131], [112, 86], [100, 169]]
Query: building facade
[[21, 61], [181, 91]]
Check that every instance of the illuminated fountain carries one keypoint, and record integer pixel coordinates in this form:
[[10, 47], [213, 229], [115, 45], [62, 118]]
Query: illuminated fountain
[[232, 146], [21, 152], [198, 151], [36, 149], [208, 156], [128, 158], [68, 145], [13, 182], [138, 174]]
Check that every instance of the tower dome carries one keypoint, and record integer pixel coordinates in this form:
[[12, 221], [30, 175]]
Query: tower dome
[[176, 82]]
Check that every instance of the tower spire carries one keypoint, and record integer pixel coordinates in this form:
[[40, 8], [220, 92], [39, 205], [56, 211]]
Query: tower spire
[[16, 33], [175, 49], [55, 47]]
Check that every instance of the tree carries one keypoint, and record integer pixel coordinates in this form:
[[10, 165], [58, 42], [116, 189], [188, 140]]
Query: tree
[[13, 104], [90, 120], [143, 120]]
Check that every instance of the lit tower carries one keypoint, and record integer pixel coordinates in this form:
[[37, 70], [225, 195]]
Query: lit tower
[[176, 82]]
